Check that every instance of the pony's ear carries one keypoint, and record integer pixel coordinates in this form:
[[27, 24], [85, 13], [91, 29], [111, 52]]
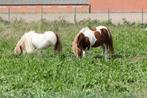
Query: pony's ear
[[80, 40]]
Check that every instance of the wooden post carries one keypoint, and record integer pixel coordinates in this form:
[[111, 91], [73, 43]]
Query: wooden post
[[41, 13], [75, 15], [142, 17], [89, 8], [9, 14], [108, 14], [41, 18]]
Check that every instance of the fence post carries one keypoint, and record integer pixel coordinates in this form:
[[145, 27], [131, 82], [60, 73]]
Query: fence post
[[142, 17], [89, 8], [41, 13], [9, 14], [75, 15], [108, 14]]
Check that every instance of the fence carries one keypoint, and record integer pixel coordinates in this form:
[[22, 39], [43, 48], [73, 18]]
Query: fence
[[115, 17]]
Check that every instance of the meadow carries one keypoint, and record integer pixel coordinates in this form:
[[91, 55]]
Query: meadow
[[45, 74]]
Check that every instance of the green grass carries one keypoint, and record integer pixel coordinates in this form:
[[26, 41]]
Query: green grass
[[48, 75]]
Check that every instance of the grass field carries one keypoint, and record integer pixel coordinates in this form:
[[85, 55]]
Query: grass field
[[48, 75]]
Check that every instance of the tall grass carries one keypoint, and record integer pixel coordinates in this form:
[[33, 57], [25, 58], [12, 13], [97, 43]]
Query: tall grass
[[45, 74]]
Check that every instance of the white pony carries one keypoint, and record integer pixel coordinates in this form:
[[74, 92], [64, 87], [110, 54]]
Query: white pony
[[31, 41]]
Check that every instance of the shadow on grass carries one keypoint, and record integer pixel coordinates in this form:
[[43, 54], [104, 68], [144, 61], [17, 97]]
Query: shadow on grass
[[98, 57], [115, 56]]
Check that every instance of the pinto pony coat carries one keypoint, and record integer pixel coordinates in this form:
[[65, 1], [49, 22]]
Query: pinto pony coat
[[32, 40], [89, 37]]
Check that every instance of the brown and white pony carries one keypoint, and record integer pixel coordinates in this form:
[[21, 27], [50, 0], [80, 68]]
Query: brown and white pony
[[88, 37], [31, 41]]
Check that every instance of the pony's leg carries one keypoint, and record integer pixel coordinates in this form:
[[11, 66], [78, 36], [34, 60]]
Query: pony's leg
[[83, 53], [105, 51], [110, 50], [79, 52], [29, 47], [89, 53]]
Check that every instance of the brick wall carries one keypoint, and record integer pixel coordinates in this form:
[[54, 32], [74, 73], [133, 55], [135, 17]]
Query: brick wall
[[118, 5], [34, 9]]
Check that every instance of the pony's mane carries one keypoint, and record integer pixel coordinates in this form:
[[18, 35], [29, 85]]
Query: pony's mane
[[84, 29], [32, 31]]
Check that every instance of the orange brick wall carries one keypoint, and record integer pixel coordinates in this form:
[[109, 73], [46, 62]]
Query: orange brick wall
[[44, 8], [118, 5]]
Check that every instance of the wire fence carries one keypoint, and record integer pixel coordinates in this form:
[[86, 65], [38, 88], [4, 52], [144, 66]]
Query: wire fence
[[75, 16]]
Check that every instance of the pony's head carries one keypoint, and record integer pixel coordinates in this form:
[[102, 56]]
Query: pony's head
[[20, 46], [81, 44], [58, 46], [18, 50]]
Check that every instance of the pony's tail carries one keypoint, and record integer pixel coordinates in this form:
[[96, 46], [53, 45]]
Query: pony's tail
[[58, 46], [110, 44]]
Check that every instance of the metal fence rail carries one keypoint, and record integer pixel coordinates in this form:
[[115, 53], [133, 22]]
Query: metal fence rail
[[114, 16]]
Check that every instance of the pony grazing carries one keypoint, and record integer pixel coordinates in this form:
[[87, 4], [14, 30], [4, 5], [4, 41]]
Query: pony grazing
[[31, 41], [88, 37]]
